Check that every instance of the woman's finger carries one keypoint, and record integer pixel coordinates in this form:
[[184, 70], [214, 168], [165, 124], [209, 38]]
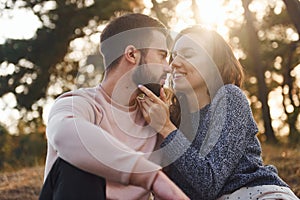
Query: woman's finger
[[144, 109], [148, 93], [146, 103], [163, 96], [141, 96]]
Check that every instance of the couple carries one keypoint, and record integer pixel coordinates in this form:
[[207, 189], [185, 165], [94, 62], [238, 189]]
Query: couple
[[119, 140]]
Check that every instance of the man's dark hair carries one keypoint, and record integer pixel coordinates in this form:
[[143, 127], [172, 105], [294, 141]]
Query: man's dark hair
[[125, 23]]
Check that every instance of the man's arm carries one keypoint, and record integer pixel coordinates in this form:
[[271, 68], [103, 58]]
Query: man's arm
[[78, 141]]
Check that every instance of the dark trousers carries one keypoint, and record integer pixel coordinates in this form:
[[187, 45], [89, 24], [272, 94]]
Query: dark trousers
[[66, 182]]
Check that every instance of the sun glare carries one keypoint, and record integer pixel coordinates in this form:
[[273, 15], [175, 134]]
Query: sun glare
[[211, 12], [18, 24]]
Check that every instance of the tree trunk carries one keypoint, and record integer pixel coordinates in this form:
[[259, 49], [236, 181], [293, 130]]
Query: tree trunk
[[293, 8], [156, 8], [254, 54], [196, 12], [294, 136]]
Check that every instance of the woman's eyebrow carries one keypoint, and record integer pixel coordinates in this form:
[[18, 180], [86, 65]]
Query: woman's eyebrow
[[184, 49]]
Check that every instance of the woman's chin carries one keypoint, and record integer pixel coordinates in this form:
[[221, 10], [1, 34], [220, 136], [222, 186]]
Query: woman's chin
[[179, 88]]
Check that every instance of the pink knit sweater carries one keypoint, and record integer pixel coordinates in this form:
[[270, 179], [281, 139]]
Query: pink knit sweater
[[91, 131]]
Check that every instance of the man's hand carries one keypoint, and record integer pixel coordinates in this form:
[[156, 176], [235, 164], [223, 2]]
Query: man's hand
[[164, 189]]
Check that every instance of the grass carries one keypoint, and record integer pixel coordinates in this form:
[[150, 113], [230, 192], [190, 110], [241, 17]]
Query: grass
[[26, 183], [22, 184], [287, 161]]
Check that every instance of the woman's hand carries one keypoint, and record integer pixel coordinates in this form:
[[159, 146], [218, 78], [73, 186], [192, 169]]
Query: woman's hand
[[156, 111]]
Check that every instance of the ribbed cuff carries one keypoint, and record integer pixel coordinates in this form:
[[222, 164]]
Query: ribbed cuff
[[175, 145], [144, 173]]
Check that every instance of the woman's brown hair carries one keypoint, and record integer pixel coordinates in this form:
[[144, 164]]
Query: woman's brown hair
[[221, 53]]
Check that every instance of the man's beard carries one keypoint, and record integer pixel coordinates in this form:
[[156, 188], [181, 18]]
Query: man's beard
[[142, 76]]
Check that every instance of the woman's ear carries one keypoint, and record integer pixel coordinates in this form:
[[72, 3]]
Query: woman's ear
[[131, 54]]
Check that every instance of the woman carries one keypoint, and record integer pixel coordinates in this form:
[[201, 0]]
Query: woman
[[215, 153]]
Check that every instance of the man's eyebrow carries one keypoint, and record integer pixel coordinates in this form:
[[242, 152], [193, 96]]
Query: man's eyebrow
[[165, 52]]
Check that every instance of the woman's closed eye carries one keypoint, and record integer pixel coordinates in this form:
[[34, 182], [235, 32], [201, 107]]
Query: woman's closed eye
[[185, 53]]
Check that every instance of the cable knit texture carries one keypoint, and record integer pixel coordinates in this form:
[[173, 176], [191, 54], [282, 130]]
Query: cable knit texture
[[225, 153]]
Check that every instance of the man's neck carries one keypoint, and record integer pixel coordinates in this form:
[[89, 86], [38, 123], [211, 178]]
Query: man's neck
[[120, 88]]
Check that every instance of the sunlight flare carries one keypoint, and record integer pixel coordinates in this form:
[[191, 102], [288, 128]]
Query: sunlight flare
[[211, 12]]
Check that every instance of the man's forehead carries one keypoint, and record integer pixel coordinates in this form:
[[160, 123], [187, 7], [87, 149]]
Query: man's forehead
[[159, 41], [113, 47]]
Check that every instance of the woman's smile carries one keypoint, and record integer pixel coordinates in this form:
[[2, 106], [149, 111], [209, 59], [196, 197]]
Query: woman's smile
[[178, 75]]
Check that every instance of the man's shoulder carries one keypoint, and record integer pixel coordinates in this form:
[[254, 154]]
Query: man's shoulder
[[82, 92], [81, 96]]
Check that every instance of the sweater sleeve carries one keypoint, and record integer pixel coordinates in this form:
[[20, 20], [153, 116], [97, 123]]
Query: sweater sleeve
[[207, 167], [72, 133]]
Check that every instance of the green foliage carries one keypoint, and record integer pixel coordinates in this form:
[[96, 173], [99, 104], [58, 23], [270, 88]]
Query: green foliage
[[36, 58], [41, 62]]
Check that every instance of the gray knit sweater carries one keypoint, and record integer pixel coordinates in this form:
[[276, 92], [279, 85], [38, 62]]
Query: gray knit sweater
[[224, 154]]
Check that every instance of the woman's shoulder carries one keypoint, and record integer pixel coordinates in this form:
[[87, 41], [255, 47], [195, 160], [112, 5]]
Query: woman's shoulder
[[232, 92], [232, 89], [232, 95]]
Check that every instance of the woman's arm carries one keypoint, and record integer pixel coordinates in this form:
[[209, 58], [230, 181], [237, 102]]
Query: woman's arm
[[207, 165], [231, 127]]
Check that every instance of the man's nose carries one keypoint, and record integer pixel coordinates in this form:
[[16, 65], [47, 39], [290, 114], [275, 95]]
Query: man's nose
[[165, 62], [167, 68]]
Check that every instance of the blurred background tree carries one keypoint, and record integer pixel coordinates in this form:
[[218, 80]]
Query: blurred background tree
[[271, 44], [265, 37], [35, 71], [62, 55]]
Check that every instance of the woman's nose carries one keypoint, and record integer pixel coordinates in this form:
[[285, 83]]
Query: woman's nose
[[175, 63]]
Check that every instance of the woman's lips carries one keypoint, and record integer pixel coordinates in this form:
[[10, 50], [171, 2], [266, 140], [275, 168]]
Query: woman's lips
[[178, 76]]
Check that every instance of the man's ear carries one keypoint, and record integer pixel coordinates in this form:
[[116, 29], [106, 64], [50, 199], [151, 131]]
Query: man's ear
[[131, 54]]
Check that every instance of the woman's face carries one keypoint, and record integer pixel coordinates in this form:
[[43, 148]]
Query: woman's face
[[191, 65]]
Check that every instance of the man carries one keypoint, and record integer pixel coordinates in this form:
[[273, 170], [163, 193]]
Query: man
[[97, 136]]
